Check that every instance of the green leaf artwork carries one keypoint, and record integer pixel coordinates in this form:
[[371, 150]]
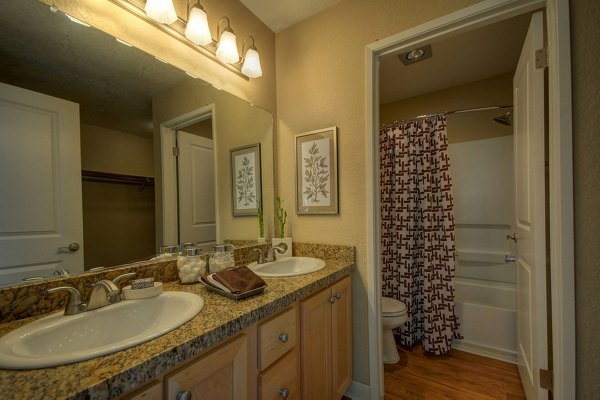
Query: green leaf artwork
[[316, 175], [245, 183]]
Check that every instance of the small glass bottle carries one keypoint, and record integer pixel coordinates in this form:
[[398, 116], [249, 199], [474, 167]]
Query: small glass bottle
[[190, 265], [222, 257]]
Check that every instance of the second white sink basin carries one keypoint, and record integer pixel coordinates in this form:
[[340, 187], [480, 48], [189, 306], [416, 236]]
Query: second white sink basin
[[60, 339], [288, 266]]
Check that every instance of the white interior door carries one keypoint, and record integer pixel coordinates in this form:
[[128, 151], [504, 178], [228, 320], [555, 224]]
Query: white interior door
[[530, 224], [196, 178], [40, 177]]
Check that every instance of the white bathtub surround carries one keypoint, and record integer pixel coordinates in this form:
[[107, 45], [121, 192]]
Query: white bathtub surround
[[288, 242], [485, 285]]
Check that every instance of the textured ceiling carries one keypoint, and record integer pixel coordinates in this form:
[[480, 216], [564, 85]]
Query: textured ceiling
[[113, 83], [469, 57], [281, 14]]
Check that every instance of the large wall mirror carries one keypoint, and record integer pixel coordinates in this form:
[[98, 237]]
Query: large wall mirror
[[87, 129]]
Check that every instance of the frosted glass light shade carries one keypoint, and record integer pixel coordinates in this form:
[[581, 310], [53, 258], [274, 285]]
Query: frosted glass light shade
[[197, 30], [161, 11], [227, 50], [251, 67]]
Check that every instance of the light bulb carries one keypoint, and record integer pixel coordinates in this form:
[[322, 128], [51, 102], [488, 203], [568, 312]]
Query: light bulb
[[227, 50], [197, 30], [251, 67], [161, 11]]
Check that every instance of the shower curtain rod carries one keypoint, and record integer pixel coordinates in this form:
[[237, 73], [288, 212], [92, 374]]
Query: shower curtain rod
[[464, 110]]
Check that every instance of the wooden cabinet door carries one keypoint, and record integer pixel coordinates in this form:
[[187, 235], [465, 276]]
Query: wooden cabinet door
[[316, 346], [341, 336], [220, 374]]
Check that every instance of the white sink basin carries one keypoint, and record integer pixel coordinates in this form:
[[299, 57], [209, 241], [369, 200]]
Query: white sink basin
[[288, 266], [60, 339]]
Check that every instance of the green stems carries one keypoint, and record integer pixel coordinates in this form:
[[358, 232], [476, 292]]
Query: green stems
[[281, 216]]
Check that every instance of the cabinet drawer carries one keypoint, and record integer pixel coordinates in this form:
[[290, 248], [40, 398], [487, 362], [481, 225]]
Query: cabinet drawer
[[276, 337], [281, 380]]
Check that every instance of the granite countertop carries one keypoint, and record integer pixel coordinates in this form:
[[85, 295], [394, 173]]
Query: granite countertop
[[117, 373]]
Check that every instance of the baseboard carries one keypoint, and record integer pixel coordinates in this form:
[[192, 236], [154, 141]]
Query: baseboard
[[486, 351], [358, 391]]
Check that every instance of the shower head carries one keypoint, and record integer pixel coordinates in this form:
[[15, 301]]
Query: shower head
[[504, 119]]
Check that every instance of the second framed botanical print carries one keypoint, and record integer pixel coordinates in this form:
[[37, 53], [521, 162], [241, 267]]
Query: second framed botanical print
[[316, 172], [245, 180]]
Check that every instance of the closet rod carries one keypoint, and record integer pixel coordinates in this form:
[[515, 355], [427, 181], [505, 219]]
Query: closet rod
[[116, 178], [464, 110]]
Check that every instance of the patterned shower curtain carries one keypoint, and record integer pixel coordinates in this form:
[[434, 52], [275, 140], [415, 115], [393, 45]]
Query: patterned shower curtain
[[417, 230]]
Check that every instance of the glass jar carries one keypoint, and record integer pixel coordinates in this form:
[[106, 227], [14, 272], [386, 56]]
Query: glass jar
[[190, 265], [221, 258], [167, 251]]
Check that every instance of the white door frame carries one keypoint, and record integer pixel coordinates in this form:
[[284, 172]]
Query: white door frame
[[562, 272], [168, 140]]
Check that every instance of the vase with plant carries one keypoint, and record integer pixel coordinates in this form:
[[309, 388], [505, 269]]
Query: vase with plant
[[261, 222], [282, 219]]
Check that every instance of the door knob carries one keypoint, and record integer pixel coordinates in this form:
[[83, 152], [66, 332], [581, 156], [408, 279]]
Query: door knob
[[284, 393], [512, 237], [510, 259], [184, 395], [283, 337], [73, 247]]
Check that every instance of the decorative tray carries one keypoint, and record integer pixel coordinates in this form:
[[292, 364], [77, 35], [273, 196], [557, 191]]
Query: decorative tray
[[235, 296]]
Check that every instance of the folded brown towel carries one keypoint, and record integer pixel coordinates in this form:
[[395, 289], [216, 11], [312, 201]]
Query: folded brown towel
[[239, 279]]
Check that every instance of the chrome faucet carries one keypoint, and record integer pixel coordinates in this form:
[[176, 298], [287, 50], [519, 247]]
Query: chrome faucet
[[103, 293], [106, 292], [269, 254]]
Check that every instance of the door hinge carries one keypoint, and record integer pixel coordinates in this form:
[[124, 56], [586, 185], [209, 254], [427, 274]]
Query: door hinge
[[541, 58], [176, 151], [546, 379]]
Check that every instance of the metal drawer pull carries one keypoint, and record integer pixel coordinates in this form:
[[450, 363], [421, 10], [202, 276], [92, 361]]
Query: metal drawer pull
[[283, 337], [331, 299], [184, 395], [338, 295], [284, 393]]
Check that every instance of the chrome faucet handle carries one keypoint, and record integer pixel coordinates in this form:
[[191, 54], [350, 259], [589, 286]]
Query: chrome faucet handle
[[261, 256], [103, 293], [123, 277], [75, 304]]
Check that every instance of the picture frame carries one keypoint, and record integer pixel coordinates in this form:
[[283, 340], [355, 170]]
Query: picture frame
[[246, 189], [317, 172]]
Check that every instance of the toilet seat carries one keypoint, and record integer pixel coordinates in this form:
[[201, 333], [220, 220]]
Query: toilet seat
[[392, 307]]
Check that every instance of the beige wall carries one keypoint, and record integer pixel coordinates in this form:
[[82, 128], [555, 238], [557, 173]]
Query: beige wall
[[461, 127], [107, 150], [320, 83], [585, 40], [237, 123], [115, 21]]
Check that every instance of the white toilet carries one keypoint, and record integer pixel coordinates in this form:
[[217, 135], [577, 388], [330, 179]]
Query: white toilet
[[393, 314]]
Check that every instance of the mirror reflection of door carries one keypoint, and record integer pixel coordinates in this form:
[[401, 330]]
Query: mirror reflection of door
[[196, 184]]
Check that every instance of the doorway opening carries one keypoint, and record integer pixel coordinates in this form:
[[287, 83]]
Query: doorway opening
[[561, 254]]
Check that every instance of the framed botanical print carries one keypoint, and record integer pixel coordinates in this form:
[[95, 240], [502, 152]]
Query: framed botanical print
[[245, 180], [316, 172]]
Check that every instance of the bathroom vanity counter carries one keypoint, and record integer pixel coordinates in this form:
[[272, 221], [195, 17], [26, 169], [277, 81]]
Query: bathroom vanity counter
[[112, 375]]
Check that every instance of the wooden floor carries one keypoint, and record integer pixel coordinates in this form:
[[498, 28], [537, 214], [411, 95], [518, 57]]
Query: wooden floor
[[459, 375]]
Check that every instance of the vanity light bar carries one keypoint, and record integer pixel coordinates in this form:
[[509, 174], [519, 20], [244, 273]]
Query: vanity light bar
[[177, 31]]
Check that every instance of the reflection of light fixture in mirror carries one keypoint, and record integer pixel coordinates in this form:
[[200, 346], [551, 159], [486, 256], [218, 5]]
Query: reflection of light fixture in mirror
[[197, 30], [161, 11], [227, 47], [251, 61], [77, 21]]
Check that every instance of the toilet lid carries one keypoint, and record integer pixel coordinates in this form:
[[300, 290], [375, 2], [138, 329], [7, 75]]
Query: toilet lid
[[391, 306]]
